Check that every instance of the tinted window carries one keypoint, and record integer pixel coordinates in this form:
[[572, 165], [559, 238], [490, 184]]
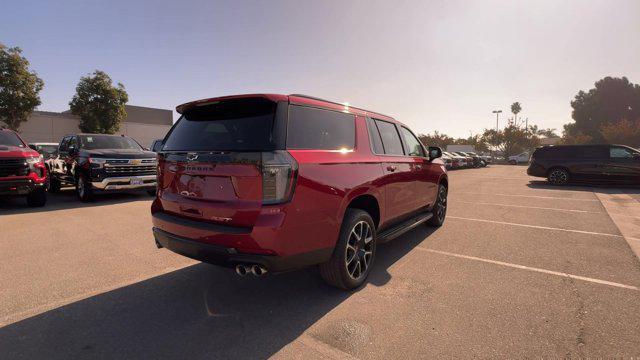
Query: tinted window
[[311, 128], [236, 125], [620, 153], [73, 141], [46, 149], [390, 138], [64, 144], [9, 138], [93, 142], [374, 135], [413, 144]]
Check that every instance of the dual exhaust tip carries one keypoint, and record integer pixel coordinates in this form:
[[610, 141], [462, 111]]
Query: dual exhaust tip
[[257, 270]]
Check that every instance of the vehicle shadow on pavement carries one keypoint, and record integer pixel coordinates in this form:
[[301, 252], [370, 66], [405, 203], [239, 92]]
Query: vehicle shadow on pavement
[[581, 186], [197, 312], [67, 199]]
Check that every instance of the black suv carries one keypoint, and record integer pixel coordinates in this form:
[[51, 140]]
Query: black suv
[[606, 163], [99, 162]]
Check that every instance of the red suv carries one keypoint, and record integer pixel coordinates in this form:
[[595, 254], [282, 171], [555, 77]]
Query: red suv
[[22, 170], [279, 182]]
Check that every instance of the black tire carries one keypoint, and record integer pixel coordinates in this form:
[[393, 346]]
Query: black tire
[[53, 184], [84, 189], [351, 252], [513, 162], [151, 192], [558, 176], [439, 208], [37, 198]]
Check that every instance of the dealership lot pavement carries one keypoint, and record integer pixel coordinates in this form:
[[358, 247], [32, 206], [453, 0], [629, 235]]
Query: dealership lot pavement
[[519, 269]]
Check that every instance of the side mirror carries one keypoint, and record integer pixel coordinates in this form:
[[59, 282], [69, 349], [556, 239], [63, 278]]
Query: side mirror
[[434, 152]]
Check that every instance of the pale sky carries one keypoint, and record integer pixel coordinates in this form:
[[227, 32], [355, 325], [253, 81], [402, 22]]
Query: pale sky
[[435, 65]]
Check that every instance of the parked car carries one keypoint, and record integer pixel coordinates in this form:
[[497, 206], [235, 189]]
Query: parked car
[[448, 161], [44, 148], [22, 170], [98, 163], [488, 159], [468, 159], [519, 159], [271, 183], [606, 163], [457, 161], [477, 160]]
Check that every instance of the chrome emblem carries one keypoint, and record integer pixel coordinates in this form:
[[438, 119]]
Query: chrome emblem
[[192, 156], [135, 162]]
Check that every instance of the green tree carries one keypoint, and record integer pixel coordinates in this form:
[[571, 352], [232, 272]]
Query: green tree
[[611, 100], [19, 87], [623, 132], [436, 139], [515, 109], [512, 140], [99, 104]]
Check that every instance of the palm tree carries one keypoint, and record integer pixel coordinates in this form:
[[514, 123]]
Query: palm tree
[[515, 109]]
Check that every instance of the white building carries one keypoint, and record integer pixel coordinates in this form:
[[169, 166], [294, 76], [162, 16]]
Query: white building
[[141, 123]]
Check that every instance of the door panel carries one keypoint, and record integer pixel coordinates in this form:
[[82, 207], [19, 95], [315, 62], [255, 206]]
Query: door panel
[[622, 165]]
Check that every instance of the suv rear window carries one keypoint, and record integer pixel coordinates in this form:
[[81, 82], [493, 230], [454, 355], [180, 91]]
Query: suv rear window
[[94, 142], [311, 128], [243, 124], [8, 138]]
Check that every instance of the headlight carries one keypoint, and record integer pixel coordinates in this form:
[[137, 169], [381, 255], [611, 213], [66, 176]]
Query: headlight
[[97, 162], [35, 160]]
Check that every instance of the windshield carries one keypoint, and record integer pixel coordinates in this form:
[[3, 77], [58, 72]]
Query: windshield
[[238, 125], [9, 138], [95, 142], [46, 149]]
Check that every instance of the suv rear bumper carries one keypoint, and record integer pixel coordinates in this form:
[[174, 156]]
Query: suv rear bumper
[[222, 251], [536, 169], [125, 183], [230, 257], [18, 186]]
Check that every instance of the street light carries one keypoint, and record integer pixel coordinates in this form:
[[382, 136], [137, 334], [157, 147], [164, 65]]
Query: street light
[[497, 112]]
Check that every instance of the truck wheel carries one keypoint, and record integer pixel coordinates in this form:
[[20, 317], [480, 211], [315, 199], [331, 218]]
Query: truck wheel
[[53, 184], [439, 208], [83, 189], [354, 253], [37, 198]]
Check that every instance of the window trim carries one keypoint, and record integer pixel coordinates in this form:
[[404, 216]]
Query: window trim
[[383, 147]]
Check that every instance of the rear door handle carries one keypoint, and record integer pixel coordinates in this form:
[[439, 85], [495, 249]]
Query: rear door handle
[[392, 168]]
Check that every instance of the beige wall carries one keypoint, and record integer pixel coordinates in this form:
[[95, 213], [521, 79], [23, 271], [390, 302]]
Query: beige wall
[[142, 124]]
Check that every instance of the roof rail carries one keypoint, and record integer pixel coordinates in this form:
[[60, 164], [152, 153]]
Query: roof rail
[[317, 98], [337, 103]]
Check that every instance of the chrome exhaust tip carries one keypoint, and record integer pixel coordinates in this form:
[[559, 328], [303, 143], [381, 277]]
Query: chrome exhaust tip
[[258, 270], [241, 270]]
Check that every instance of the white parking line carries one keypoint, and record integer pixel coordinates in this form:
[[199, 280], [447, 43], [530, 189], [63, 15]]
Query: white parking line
[[522, 267], [535, 226], [529, 207], [527, 196]]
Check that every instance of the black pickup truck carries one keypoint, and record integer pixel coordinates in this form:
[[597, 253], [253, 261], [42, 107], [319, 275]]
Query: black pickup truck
[[98, 162]]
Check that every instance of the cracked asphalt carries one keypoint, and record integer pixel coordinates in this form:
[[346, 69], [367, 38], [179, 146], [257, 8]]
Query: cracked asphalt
[[520, 269]]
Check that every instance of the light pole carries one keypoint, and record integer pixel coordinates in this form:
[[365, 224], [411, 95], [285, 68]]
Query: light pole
[[497, 112]]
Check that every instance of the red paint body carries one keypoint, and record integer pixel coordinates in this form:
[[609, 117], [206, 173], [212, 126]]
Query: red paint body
[[20, 184], [327, 182]]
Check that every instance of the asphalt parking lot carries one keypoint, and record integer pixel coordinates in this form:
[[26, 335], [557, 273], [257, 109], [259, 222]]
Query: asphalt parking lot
[[520, 269]]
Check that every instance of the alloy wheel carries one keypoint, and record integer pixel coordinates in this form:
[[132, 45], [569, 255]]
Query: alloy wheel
[[558, 176], [441, 211], [359, 250]]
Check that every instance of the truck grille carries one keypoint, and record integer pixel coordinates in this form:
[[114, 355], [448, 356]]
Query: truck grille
[[13, 167], [130, 167]]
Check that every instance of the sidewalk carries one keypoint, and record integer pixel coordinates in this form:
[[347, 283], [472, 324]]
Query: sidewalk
[[624, 209]]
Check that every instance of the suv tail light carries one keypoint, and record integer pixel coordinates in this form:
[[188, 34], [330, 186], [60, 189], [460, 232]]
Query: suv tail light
[[279, 171]]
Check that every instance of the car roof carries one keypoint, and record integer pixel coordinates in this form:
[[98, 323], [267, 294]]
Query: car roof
[[299, 99]]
